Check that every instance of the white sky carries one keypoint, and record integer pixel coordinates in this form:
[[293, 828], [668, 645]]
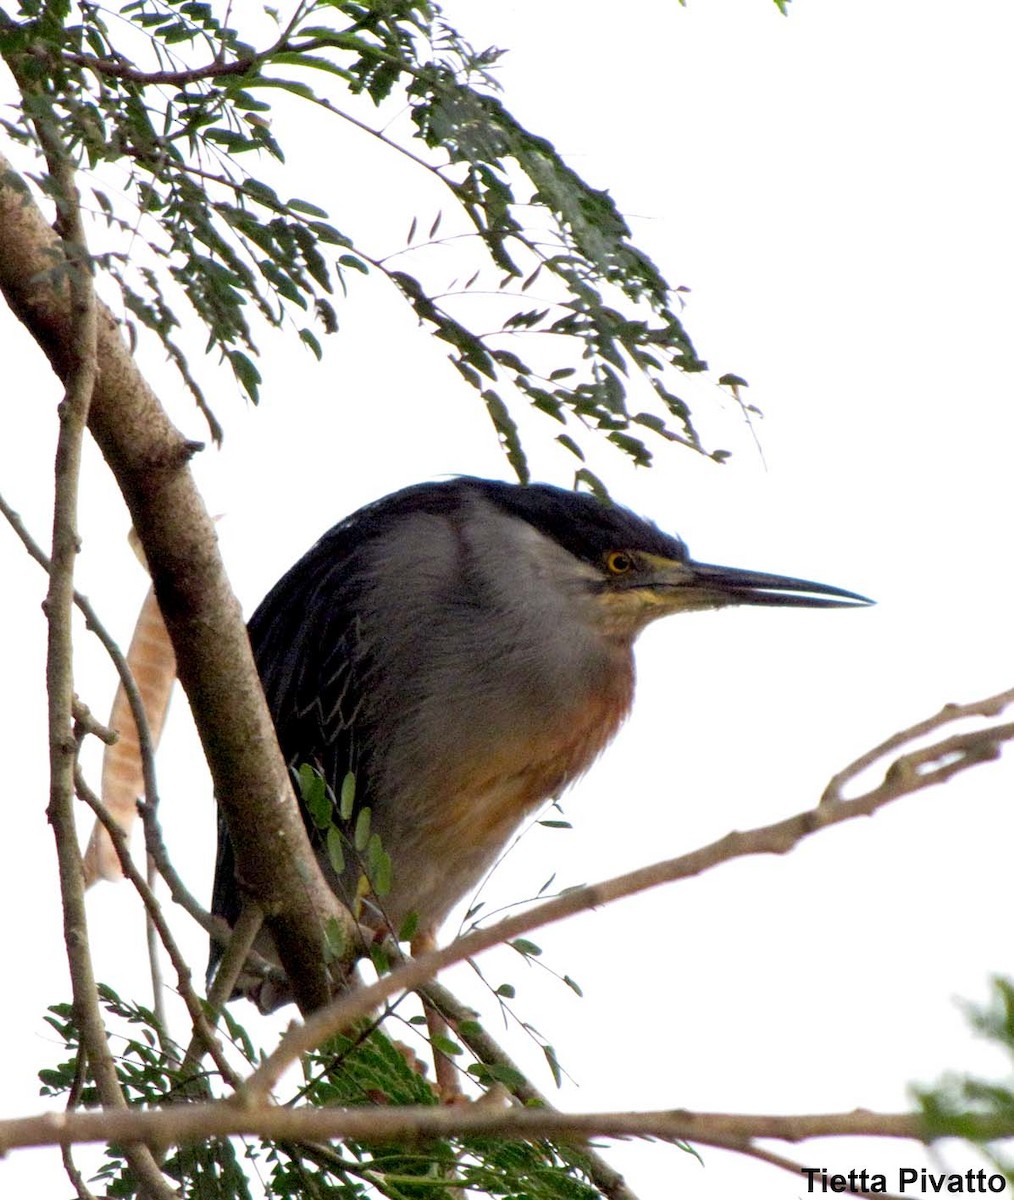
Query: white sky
[[835, 189]]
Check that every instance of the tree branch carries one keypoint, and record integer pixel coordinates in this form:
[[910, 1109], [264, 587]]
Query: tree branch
[[909, 773], [149, 458], [223, 1118], [992, 706], [73, 412], [750, 1150], [465, 1024], [138, 712], [202, 1028]]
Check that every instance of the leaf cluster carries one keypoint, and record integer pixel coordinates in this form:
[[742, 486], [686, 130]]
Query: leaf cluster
[[362, 1068], [342, 828], [177, 107], [956, 1106], [149, 1072]]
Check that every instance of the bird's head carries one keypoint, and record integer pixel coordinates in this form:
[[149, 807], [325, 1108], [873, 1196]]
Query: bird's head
[[636, 573]]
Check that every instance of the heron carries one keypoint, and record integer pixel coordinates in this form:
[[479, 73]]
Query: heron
[[463, 652]]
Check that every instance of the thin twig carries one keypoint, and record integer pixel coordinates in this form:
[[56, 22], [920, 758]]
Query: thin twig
[[74, 1175], [992, 706], [67, 1152], [73, 414], [909, 773], [155, 846], [151, 932], [750, 1150], [178, 890], [237, 951], [203, 1030], [464, 1021], [216, 927], [109, 644], [230, 966]]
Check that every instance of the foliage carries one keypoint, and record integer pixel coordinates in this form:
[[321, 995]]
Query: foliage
[[366, 1068], [149, 1070], [956, 1106], [167, 99], [172, 114]]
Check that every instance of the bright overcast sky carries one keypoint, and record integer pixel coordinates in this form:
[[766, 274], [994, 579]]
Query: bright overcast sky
[[835, 189]]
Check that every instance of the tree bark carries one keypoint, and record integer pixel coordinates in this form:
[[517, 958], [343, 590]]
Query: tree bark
[[149, 458]]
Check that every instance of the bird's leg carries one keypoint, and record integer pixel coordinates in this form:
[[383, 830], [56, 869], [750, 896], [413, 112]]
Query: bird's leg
[[443, 1066]]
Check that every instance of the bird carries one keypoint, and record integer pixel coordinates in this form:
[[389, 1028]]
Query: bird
[[462, 652]]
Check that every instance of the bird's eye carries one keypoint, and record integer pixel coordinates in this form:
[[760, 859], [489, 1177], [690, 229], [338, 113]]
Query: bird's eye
[[618, 562]]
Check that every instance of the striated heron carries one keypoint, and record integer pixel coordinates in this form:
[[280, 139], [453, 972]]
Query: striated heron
[[464, 651]]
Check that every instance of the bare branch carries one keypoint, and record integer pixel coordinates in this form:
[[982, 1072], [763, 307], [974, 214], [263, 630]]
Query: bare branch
[[127, 682], [203, 1032], [464, 1022], [75, 1176], [992, 706], [749, 1150], [908, 773], [73, 412], [149, 458], [226, 1118]]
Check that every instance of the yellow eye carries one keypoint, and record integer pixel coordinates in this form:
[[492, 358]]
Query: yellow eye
[[618, 562]]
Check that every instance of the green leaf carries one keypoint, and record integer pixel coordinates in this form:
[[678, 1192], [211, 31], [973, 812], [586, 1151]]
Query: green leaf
[[554, 1064], [378, 866], [362, 833], [379, 958], [408, 927], [231, 139], [247, 374], [297, 88], [508, 1076], [176, 32], [573, 985], [309, 339], [335, 850], [304, 206], [313, 791], [510, 440], [526, 948], [567, 441], [347, 797], [335, 944], [350, 260]]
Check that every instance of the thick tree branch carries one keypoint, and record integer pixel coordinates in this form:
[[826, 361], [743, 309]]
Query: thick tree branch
[[149, 458], [155, 847]]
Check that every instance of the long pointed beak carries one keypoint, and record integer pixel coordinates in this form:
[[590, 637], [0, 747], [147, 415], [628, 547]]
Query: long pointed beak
[[704, 585]]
